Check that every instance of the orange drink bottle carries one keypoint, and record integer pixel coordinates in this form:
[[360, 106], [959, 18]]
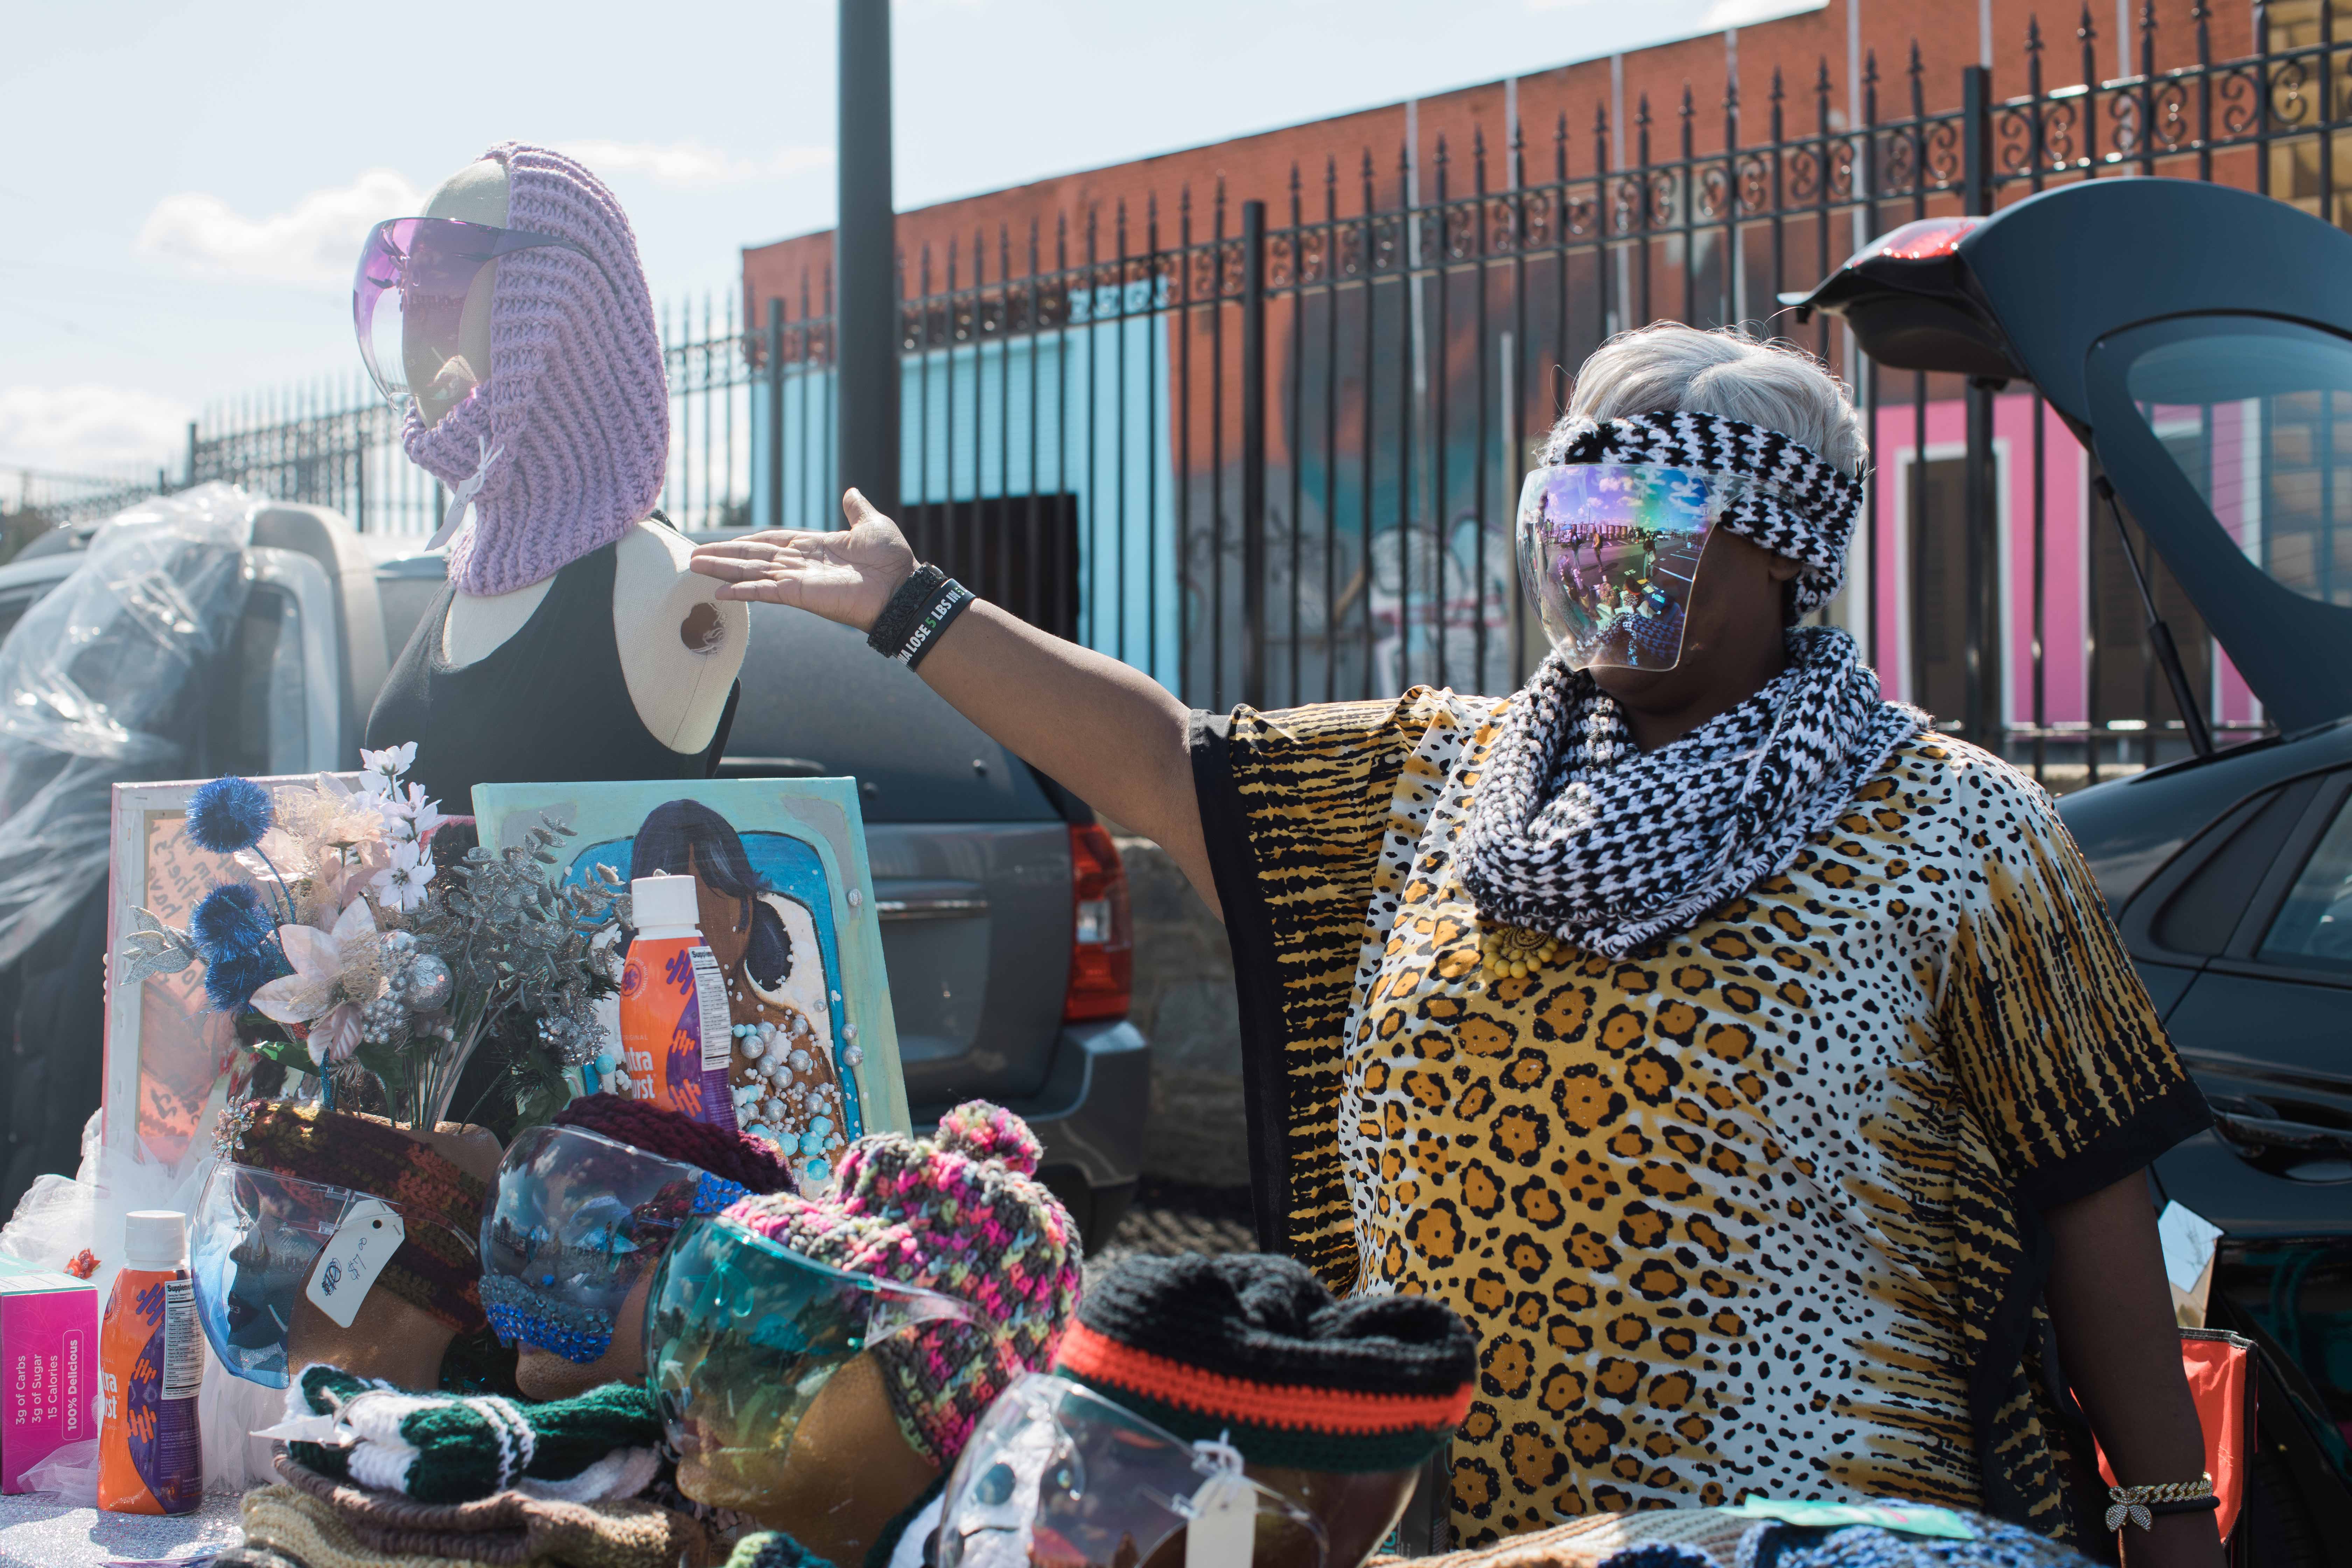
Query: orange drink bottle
[[676, 1033], [151, 1361]]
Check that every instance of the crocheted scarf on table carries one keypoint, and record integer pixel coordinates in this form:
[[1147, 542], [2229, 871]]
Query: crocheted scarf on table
[[1573, 829], [444, 1448], [563, 448], [1796, 503]]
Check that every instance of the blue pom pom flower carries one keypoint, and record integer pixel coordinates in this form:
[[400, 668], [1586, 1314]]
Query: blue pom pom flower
[[231, 923], [228, 815], [229, 983]]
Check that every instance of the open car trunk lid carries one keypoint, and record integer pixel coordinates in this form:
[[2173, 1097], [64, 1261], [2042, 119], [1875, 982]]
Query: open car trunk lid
[[2199, 337]]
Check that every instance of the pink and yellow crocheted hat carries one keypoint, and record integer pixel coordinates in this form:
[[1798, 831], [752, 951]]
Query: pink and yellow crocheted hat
[[961, 1212]]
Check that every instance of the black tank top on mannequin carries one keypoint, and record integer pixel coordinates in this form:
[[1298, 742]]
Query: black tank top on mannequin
[[550, 705]]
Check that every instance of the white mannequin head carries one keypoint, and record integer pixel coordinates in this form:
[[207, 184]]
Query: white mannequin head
[[475, 194]]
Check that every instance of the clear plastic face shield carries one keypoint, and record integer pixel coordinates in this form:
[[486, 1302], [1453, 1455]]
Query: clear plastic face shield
[[251, 1248], [413, 302], [1056, 1473], [576, 1222], [742, 1334], [1609, 554]]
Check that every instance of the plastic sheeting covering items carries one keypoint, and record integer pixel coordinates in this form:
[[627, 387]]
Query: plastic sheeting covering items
[[93, 682]]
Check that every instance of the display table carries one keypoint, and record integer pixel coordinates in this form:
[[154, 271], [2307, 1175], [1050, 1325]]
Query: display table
[[39, 1531]]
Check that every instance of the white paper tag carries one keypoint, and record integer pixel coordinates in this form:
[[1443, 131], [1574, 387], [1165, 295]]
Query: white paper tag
[[1223, 1530], [348, 1265], [324, 1430], [2188, 1239]]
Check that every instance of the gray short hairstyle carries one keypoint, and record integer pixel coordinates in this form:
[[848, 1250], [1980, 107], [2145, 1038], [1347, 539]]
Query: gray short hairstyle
[[1667, 368]]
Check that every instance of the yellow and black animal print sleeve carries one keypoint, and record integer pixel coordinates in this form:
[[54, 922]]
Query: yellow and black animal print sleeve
[[1292, 805], [2061, 1052]]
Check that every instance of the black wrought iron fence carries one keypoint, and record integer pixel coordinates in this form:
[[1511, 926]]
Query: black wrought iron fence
[[1270, 452], [35, 500], [334, 442]]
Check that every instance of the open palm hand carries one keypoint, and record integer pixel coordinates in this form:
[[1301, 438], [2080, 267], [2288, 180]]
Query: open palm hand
[[846, 576]]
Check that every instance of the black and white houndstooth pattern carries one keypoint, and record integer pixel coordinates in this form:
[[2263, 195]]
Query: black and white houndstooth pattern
[[1796, 504], [1576, 831]]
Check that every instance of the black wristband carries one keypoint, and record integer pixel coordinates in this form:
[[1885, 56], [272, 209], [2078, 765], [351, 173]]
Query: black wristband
[[905, 608], [926, 636], [2208, 1503]]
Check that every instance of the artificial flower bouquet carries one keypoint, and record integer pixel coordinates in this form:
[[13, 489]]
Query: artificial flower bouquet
[[349, 953]]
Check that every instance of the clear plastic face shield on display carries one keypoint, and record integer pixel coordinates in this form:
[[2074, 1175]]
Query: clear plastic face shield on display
[[577, 1221], [742, 1334], [413, 299], [1056, 1473], [1609, 554], [250, 1250]]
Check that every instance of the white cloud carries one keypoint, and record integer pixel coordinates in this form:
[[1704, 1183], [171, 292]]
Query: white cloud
[[1748, 13], [76, 429], [317, 241], [691, 163]]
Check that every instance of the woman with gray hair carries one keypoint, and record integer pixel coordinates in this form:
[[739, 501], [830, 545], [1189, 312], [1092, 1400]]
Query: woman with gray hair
[[1757, 1071]]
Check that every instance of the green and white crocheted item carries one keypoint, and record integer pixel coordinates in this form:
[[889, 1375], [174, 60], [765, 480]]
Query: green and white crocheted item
[[441, 1447]]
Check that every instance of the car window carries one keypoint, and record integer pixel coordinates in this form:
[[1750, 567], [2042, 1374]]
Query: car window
[[2314, 928], [2252, 412], [817, 703], [404, 601], [258, 719]]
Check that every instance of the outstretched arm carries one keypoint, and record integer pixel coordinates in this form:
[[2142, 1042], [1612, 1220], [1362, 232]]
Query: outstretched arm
[[1109, 732], [2122, 1352]]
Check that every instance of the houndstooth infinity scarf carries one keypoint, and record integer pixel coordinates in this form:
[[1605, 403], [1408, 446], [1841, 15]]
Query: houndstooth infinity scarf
[[1576, 831]]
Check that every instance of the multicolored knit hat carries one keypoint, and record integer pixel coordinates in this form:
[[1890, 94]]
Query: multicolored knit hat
[[735, 1157], [568, 440], [1254, 1349], [436, 1269], [960, 1212]]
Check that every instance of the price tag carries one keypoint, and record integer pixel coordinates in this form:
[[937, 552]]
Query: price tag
[[348, 1265], [1224, 1528]]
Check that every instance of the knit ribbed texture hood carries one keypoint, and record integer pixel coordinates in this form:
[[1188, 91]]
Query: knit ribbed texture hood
[[576, 406], [961, 1212]]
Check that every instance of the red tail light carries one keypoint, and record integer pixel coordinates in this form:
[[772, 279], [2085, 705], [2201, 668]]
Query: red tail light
[[1922, 240], [1102, 933]]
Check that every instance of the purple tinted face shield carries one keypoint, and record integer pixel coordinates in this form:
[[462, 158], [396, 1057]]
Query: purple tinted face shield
[[408, 301]]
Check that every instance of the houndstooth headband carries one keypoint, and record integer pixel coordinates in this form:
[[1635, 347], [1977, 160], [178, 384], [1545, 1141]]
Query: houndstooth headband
[[1800, 506]]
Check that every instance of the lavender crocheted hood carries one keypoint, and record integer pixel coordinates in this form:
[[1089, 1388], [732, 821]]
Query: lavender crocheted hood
[[570, 434]]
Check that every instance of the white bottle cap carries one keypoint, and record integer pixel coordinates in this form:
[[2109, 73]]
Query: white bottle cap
[[154, 1238], [660, 902]]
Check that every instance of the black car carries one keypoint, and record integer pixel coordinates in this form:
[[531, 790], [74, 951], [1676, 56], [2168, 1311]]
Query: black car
[[2227, 317]]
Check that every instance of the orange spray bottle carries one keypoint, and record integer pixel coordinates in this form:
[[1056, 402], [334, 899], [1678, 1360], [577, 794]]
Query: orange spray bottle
[[150, 1361]]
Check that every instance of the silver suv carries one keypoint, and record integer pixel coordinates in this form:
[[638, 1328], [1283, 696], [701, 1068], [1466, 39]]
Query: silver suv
[[1003, 904]]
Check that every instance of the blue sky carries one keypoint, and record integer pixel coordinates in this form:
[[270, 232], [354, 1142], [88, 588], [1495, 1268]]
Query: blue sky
[[187, 185]]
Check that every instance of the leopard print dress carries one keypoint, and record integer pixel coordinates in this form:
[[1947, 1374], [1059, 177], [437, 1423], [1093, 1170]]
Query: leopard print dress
[[1751, 1212]]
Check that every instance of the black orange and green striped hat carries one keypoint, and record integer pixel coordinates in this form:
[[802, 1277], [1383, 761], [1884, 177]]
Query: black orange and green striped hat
[[1254, 1349]]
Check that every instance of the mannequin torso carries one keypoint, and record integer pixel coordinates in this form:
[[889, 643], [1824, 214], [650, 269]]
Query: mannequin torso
[[680, 647]]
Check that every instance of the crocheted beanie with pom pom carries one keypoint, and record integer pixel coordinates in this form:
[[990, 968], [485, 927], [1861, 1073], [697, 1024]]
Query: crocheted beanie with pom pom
[[657, 1129], [961, 1212]]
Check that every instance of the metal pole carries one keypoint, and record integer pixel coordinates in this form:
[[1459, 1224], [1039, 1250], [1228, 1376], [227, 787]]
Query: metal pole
[[1983, 715], [776, 410], [1252, 453], [865, 250], [191, 453]]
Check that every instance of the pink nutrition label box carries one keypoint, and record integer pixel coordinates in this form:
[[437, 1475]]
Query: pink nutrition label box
[[49, 1368]]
